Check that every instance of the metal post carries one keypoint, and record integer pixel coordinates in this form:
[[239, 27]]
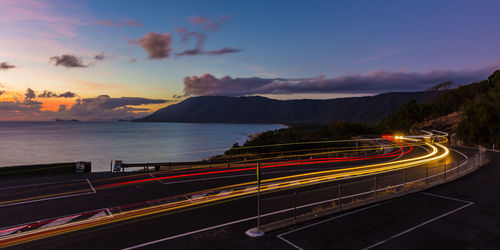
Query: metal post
[[111, 166], [258, 208]]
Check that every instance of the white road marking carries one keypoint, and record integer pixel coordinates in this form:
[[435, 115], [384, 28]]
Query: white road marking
[[60, 221], [460, 153], [100, 214], [426, 222], [93, 189], [11, 230], [45, 199], [41, 184]]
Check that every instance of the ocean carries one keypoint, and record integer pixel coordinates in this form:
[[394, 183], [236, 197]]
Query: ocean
[[100, 142]]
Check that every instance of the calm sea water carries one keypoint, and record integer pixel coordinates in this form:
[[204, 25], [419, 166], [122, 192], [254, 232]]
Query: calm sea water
[[101, 142]]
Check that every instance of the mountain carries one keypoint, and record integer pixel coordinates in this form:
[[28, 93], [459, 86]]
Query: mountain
[[256, 109]]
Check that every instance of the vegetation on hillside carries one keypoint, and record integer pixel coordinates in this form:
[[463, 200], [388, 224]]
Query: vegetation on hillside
[[479, 102], [302, 133]]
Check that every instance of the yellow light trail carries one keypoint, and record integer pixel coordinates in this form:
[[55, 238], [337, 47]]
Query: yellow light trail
[[293, 182]]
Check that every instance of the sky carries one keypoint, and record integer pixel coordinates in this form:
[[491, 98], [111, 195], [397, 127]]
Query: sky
[[108, 60]]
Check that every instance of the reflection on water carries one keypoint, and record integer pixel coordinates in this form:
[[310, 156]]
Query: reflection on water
[[101, 142]]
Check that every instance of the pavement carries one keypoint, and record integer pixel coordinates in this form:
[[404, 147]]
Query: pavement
[[218, 226]]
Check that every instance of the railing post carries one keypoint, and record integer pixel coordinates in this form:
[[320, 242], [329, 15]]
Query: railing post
[[111, 166]]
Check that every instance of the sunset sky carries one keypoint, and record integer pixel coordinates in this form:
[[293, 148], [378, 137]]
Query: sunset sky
[[105, 60]]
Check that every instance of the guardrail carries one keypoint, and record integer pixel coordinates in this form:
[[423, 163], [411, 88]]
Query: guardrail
[[301, 206], [50, 168]]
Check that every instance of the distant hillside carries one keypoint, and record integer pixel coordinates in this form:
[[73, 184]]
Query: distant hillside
[[256, 109]]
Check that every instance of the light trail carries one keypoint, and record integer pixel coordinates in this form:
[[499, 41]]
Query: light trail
[[245, 168], [243, 190]]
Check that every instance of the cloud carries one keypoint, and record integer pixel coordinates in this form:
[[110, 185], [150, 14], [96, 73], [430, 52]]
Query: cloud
[[6, 66], [50, 94], [68, 61], [30, 94], [207, 23], [377, 81], [198, 49], [157, 45], [222, 51], [38, 16], [1, 92], [106, 102], [102, 107], [120, 23], [100, 57]]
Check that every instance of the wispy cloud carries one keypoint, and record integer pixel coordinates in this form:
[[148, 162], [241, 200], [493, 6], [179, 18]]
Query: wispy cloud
[[377, 56], [6, 66], [208, 23], [120, 23], [41, 14]]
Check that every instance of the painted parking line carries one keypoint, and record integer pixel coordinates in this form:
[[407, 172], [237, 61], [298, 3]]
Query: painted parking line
[[467, 203]]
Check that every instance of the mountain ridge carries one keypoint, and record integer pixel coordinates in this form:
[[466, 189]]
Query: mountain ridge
[[257, 109]]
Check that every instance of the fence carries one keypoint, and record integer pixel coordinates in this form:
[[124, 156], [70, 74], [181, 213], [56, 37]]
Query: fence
[[304, 205]]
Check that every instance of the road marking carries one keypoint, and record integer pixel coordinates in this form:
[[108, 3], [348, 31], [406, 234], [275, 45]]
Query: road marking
[[228, 224], [45, 199], [60, 221], [41, 184], [280, 236], [100, 214], [469, 203], [91, 186], [460, 153], [10, 230]]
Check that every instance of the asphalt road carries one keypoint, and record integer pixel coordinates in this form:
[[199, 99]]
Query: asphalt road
[[81, 193]]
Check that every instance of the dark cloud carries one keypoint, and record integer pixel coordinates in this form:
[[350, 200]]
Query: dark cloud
[[6, 66], [208, 23], [50, 94], [198, 49], [157, 45], [106, 102], [222, 51], [67, 94], [120, 23], [1, 92], [100, 56], [68, 61], [30, 94], [378, 81]]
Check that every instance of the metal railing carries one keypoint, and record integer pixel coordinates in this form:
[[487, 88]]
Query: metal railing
[[328, 198]]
